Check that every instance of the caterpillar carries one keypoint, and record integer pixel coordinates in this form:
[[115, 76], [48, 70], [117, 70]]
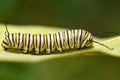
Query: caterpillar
[[49, 43]]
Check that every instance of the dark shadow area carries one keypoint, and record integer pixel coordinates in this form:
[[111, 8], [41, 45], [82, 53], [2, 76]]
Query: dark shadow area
[[19, 51]]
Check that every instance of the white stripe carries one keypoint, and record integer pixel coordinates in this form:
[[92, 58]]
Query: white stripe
[[27, 39], [38, 40], [10, 37], [52, 41], [42, 41], [75, 35], [31, 40], [17, 40]]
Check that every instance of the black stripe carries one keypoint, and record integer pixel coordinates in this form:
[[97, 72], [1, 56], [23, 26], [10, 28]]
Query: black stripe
[[31, 46], [33, 42], [46, 41], [18, 40], [39, 42], [80, 39], [28, 43], [13, 40], [53, 41], [68, 39], [22, 41], [36, 40], [5, 43], [60, 41], [50, 43]]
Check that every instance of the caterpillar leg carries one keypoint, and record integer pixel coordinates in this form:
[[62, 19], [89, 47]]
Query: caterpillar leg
[[5, 49], [48, 52], [61, 51], [36, 52], [24, 51]]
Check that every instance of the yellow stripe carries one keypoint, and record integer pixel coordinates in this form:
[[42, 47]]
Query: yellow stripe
[[24, 41], [54, 46], [35, 38], [15, 39], [64, 41], [55, 40], [71, 39], [85, 34], [35, 41], [21, 44], [84, 38], [31, 46], [44, 43], [76, 44], [4, 45], [6, 40], [12, 42]]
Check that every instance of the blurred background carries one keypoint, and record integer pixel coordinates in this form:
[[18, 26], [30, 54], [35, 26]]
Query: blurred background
[[92, 15]]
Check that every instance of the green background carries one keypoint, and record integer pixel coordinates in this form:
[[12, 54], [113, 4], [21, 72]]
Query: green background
[[92, 15]]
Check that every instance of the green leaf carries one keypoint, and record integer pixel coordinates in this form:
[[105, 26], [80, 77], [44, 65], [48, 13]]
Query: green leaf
[[96, 50]]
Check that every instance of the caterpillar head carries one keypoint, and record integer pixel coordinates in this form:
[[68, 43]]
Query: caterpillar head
[[89, 41], [6, 43]]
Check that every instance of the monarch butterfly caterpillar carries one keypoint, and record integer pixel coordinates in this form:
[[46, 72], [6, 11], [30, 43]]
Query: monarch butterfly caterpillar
[[49, 43]]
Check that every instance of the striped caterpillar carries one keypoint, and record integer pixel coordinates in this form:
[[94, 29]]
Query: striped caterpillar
[[49, 43]]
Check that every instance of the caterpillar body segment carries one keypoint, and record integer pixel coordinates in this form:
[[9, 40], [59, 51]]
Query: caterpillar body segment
[[48, 43]]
